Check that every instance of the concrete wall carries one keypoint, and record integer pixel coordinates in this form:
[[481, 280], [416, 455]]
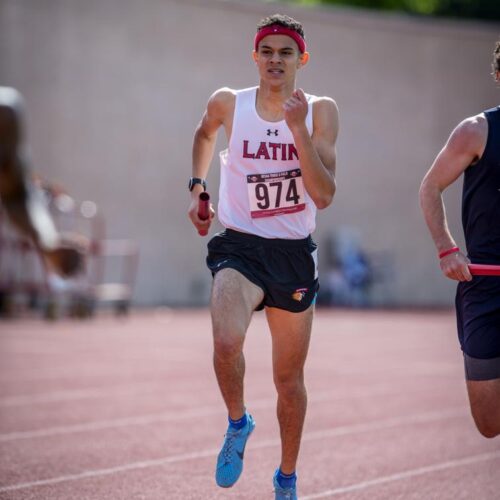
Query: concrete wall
[[115, 88]]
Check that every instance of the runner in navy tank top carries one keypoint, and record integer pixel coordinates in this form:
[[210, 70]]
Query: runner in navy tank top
[[474, 150]]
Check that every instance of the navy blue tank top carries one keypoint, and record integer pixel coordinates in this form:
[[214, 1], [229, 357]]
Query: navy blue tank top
[[481, 198]]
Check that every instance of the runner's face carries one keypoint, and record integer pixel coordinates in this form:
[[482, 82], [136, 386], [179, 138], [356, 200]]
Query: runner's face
[[278, 58]]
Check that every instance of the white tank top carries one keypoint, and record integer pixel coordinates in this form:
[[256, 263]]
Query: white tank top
[[261, 189]]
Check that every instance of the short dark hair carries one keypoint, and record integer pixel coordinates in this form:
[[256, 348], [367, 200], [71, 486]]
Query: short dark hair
[[281, 20], [496, 58]]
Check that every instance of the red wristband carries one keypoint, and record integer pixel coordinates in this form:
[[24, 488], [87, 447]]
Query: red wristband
[[449, 252]]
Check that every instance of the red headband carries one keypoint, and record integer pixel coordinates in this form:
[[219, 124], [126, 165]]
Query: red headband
[[276, 29]]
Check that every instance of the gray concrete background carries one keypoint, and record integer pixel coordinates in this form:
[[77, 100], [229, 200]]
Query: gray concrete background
[[115, 88]]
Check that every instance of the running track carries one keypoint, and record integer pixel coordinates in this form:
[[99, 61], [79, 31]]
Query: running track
[[129, 409]]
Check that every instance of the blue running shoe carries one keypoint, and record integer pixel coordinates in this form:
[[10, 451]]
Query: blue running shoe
[[230, 459], [283, 493]]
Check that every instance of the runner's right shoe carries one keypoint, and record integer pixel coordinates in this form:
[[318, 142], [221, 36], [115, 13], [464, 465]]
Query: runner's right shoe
[[230, 459]]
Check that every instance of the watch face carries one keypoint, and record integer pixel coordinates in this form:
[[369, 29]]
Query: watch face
[[194, 180]]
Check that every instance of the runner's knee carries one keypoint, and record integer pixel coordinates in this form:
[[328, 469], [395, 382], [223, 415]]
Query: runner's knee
[[289, 384], [485, 413], [484, 395], [227, 345], [486, 425]]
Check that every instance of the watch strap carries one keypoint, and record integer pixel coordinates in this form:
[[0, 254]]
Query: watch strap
[[197, 180]]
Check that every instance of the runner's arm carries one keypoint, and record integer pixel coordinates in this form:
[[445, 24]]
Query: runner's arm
[[317, 153], [22, 200], [464, 147], [216, 114]]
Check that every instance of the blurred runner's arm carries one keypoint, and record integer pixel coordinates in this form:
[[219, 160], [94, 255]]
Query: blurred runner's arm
[[21, 198], [464, 147]]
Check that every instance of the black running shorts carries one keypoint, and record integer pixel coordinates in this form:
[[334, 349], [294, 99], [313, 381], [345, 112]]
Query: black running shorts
[[478, 321], [286, 270]]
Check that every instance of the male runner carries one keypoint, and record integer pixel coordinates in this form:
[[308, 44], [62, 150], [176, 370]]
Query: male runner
[[474, 150], [22, 200], [278, 169]]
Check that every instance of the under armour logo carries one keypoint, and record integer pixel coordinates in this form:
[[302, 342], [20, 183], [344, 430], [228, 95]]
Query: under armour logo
[[269, 131]]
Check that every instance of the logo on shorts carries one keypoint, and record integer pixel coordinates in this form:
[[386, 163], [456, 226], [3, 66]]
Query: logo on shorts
[[299, 294]]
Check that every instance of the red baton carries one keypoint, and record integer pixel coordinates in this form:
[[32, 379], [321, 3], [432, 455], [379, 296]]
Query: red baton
[[484, 270], [204, 210]]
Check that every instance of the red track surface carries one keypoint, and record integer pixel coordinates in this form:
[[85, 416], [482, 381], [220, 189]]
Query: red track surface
[[129, 409]]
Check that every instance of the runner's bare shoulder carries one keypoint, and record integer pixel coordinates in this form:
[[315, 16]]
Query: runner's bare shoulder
[[326, 105], [221, 102], [326, 115], [470, 136]]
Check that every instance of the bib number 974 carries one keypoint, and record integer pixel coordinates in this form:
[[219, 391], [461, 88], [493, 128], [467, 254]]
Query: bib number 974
[[274, 194]]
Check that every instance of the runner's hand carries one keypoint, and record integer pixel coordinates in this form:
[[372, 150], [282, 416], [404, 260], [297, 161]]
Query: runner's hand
[[455, 267], [296, 109], [68, 258], [199, 224]]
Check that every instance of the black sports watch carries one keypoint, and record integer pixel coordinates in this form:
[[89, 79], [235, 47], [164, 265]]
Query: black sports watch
[[196, 180]]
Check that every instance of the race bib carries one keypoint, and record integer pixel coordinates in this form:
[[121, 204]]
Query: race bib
[[277, 193]]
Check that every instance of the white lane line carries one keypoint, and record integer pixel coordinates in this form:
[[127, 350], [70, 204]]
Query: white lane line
[[112, 470], [377, 425], [174, 416], [312, 436], [112, 391], [109, 424], [389, 423], [92, 393], [82, 394], [451, 464], [75, 394]]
